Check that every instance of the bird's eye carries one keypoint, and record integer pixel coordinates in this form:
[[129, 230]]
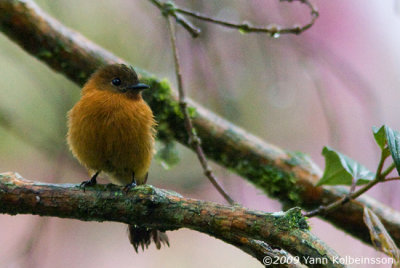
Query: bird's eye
[[116, 81]]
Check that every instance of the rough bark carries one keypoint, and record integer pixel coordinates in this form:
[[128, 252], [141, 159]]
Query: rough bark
[[151, 207]]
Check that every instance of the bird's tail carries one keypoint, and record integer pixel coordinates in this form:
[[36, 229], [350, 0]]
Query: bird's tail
[[142, 236]]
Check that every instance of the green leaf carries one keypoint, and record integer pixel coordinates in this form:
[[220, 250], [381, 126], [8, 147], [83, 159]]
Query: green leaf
[[380, 237], [167, 155], [192, 112], [242, 31], [393, 141], [380, 136], [341, 169]]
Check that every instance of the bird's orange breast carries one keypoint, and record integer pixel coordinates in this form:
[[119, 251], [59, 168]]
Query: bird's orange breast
[[112, 133]]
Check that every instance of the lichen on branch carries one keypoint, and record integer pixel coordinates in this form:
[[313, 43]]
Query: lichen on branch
[[151, 207]]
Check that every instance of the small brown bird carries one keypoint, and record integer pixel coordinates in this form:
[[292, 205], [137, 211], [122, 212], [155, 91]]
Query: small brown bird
[[111, 129]]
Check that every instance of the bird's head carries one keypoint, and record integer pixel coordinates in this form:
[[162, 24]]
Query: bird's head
[[116, 78]]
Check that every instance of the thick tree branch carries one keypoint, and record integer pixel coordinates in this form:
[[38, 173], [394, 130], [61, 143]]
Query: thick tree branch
[[156, 208], [284, 176]]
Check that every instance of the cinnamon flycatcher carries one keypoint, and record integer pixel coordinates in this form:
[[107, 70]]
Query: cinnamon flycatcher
[[111, 130]]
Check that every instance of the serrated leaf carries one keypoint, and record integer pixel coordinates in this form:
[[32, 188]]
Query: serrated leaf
[[167, 155], [380, 136], [341, 169], [393, 141], [380, 237]]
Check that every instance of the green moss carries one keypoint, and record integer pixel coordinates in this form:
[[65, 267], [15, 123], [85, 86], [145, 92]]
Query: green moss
[[165, 108], [118, 194], [291, 219], [146, 189], [129, 204], [61, 46], [272, 180], [100, 204], [192, 112], [179, 217], [168, 116], [44, 54], [83, 75]]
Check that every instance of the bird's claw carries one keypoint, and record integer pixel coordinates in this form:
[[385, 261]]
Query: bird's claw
[[129, 186], [91, 182], [84, 184]]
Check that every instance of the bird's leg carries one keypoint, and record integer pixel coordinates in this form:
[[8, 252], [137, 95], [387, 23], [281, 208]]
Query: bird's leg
[[130, 185], [90, 182], [145, 178]]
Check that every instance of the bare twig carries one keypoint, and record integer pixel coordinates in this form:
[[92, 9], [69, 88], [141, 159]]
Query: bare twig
[[388, 170], [333, 206], [379, 177], [393, 179], [194, 140], [168, 9], [246, 27], [151, 207]]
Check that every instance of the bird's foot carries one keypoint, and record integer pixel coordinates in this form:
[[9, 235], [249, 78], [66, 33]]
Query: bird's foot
[[129, 186], [90, 182]]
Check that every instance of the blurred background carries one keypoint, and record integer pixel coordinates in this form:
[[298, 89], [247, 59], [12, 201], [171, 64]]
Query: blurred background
[[327, 86]]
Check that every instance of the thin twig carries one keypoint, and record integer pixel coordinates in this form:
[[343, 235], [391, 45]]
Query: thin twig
[[273, 30], [194, 140], [380, 165], [342, 201], [393, 179], [379, 177], [388, 170], [353, 186], [168, 9]]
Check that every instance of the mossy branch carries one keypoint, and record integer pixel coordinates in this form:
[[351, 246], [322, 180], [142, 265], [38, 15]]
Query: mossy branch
[[283, 176], [151, 207]]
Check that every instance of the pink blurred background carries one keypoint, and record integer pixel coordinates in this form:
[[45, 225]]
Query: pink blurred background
[[327, 86]]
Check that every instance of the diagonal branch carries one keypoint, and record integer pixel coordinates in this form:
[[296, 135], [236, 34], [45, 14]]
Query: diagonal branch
[[283, 176], [156, 208]]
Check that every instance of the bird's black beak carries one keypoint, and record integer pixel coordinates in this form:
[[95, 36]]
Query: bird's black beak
[[138, 87]]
